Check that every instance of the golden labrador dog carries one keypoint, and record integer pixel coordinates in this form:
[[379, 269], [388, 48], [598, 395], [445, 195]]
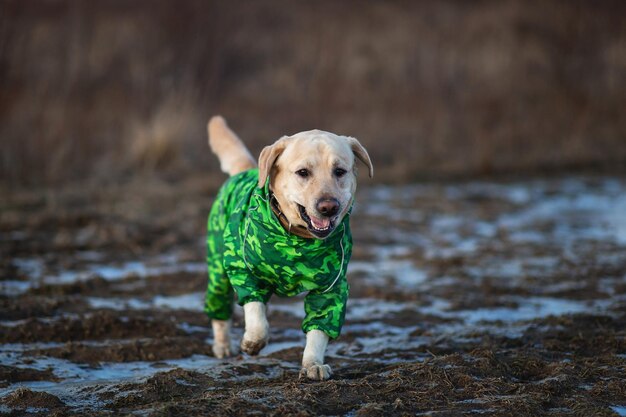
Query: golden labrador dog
[[306, 184]]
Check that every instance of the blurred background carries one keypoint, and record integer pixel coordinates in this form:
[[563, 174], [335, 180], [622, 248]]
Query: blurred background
[[489, 269], [113, 89]]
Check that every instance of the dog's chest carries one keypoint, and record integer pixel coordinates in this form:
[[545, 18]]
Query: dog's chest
[[292, 265]]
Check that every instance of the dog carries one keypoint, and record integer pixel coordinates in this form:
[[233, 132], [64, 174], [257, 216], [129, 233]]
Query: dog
[[282, 228]]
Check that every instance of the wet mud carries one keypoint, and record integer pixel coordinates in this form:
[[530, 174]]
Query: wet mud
[[474, 298]]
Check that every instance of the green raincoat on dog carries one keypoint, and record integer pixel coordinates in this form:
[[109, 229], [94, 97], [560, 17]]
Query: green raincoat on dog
[[249, 251]]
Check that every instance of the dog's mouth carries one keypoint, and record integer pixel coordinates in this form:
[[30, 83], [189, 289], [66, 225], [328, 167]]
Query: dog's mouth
[[319, 227]]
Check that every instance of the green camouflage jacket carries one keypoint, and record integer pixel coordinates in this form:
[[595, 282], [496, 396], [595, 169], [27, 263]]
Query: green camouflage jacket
[[249, 251]]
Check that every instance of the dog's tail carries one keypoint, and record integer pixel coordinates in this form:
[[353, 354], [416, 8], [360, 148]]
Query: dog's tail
[[233, 155]]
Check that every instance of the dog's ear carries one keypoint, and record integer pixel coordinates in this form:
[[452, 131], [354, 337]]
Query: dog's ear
[[361, 154], [268, 158]]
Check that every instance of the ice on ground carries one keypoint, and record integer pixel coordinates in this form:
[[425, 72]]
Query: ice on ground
[[75, 379], [113, 273], [619, 409], [191, 302], [385, 264], [528, 309], [35, 269]]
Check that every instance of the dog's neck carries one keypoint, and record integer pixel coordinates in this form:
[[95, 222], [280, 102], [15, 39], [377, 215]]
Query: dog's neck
[[295, 229]]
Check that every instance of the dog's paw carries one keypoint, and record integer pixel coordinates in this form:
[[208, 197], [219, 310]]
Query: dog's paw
[[222, 350], [252, 346], [316, 372]]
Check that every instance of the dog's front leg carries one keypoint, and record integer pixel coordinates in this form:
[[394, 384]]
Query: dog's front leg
[[313, 358], [221, 338], [256, 334]]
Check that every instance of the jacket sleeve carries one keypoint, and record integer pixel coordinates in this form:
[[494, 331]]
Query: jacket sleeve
[[326, 311]]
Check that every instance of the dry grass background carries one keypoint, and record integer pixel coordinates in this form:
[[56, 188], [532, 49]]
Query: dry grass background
[[106, 90]]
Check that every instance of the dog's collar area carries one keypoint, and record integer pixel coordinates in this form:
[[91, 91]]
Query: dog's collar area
[[295, 229]]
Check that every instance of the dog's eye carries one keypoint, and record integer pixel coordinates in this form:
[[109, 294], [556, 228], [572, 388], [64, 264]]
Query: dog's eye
[[304, 173], [340, 172]]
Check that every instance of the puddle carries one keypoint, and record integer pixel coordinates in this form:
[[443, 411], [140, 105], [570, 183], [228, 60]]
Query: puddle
[[403, 272], [109, 372], [529, 309], [93, 266], [191, 302], [31, 267], [112, 273], [81, 384], [619, 409], [11, 288]]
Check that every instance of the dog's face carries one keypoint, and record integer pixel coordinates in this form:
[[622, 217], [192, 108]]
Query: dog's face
[[313, 177]]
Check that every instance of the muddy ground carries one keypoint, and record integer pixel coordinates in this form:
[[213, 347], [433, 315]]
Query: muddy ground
[[491, 298]]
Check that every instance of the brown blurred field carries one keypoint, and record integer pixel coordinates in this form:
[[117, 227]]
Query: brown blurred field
[[106, 90]]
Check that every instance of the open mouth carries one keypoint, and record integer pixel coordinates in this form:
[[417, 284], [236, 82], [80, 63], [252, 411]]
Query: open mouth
[[319, 227]]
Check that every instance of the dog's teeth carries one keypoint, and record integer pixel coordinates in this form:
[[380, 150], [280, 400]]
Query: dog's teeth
[[320, 224]]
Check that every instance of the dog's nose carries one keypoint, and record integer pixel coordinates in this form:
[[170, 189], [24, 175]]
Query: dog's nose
[[327, 206]]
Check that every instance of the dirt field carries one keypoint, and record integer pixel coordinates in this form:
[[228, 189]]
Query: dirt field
[[491, 298]]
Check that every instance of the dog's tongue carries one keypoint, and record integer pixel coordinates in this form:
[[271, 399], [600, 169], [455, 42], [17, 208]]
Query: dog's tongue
[[320, 223]]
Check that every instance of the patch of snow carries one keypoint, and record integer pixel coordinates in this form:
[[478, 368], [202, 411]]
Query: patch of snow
[[619, 409], [192, 302]]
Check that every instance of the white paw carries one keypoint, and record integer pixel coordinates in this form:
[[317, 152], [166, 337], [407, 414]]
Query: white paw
[[222, 350], [316, 372], [253, 346]]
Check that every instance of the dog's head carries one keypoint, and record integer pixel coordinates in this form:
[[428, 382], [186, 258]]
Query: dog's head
[[313, 177]]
